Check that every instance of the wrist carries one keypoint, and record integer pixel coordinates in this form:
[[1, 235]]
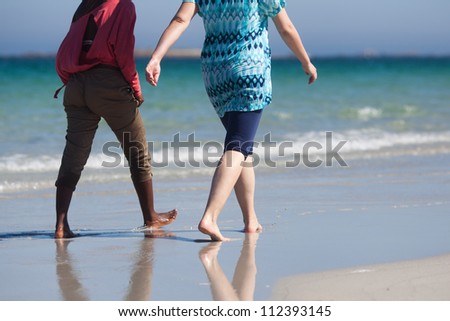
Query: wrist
[[155, 59], [305, 62]]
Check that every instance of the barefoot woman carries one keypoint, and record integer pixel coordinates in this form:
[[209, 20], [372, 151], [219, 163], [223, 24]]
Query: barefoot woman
[[96, 63], [236, 66]]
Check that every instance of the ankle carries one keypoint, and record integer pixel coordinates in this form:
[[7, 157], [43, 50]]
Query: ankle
[[250, 219]]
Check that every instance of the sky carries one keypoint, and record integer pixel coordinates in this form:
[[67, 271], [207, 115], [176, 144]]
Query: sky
[[327, 27]]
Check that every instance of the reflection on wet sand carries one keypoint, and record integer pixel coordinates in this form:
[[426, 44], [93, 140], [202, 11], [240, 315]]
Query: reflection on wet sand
[[71, 288], [140, 281], [242, 287]]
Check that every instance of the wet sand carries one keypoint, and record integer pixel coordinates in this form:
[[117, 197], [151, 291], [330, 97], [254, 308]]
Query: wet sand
[[368, 232]]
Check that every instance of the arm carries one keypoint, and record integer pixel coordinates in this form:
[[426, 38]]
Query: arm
[[172, 33], [124, 50], [291, 37]]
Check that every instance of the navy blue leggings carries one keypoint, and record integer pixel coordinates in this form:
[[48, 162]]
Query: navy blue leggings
[[241, 129]]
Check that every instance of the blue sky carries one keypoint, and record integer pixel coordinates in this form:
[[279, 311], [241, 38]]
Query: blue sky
[[328, 27]]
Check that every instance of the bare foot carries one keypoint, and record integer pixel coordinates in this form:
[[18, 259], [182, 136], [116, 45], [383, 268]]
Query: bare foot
[[253, 228], [64, 232], [157, 233], [208, 254], [211, 229], [251, 239], [162, 219]]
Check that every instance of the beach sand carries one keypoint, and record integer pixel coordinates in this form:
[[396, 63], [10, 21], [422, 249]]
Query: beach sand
[[418, 280], [377, 230]]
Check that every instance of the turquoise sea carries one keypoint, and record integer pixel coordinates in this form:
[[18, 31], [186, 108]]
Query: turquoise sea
[[383, 124], [380, 107]]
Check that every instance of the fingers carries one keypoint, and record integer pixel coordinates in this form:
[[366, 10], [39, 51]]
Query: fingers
[[139, 99], [152, 73], [152, 78], [312, 79], [311, 71]]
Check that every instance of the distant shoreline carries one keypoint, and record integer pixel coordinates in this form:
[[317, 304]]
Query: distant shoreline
[[194, 53]]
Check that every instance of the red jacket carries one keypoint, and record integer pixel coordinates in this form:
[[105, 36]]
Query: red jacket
[[113, 44]]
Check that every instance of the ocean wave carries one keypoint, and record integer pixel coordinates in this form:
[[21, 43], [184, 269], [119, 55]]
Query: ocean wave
[[367, 113], [355, 141], [319, 148], [22, 172], [371, 139], [23, 163]]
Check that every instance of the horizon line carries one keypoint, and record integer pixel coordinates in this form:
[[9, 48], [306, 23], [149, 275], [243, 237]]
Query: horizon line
[[195, 53]]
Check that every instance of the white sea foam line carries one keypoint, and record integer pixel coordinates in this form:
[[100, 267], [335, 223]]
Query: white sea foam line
[[6, 187], [367, 140], [356, 141], [367, 113]]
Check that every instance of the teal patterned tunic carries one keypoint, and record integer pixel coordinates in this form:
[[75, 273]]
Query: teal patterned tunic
[[236, 56]]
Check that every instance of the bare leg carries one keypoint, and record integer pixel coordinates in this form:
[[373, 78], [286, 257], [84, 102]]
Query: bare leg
[[245, 194], [224, 179], [221, 288], [152, 219], [68, 280], [63, 199], [244, 279], [140, 284]]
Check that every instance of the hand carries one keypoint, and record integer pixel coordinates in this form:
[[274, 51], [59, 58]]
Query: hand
[[152, 72], [311, 71], [139, 99]]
